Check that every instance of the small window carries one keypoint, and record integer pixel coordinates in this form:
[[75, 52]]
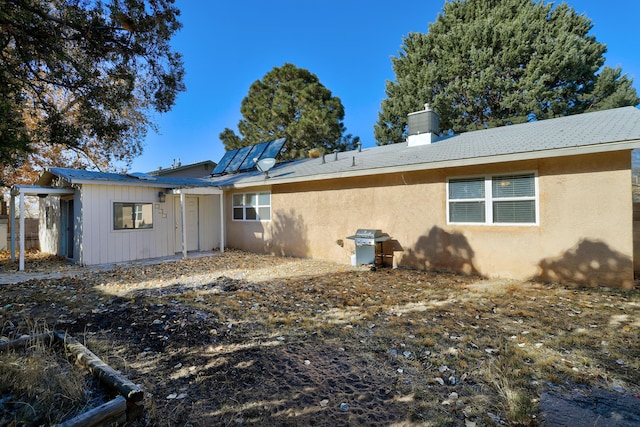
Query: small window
[[505, 199], [48, 217], [132, 216], [252, 207]]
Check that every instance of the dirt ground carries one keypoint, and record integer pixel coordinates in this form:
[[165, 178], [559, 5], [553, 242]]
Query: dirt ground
[[245, 339]]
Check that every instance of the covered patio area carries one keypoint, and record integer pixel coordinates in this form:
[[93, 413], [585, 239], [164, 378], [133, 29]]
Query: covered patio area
[[20, 192]]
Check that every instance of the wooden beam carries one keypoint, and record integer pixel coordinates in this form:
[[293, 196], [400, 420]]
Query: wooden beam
[[112, 410], [101, 370], [47, 337]]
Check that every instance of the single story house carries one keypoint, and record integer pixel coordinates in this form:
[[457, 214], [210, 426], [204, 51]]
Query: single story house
[[101, 217], [547, 200]]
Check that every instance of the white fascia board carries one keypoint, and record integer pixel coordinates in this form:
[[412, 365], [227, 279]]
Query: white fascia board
[[152, 184], [196, 190], [34, 190], [76, 181], [471, 161]]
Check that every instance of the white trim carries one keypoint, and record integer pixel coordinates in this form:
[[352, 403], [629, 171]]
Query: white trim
[[12, 214], [222, 227], [183, 215], [257, 207], [36, 190], [21, 204], [196, 191]]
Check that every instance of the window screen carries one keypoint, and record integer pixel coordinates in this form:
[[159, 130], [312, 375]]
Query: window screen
[[505, 199], [466, 200], [514, 199], [252, 207]]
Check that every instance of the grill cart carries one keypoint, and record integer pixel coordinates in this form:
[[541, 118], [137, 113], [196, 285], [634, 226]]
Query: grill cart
[[369, 246]]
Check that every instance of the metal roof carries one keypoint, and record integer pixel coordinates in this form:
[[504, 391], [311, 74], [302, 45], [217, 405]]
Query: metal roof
[[595, 132], [79, 176]]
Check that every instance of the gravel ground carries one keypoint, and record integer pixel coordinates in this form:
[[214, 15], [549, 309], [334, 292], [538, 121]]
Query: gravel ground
[[245, 339]]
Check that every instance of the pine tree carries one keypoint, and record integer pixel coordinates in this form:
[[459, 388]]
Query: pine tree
[[290, 102], [486, 63]]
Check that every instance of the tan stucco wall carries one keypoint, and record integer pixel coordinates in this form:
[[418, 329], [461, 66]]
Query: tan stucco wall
[[584, 232]]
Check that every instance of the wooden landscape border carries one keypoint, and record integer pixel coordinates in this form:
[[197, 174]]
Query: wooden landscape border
[[130, 393]]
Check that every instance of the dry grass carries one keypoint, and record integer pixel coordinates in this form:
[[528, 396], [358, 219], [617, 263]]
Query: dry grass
[[259, 340], [39, 386]]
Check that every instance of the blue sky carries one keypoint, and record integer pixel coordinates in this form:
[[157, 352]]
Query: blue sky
[[348, 44]]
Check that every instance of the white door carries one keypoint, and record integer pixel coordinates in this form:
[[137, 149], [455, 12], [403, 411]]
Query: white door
[[192, 220]]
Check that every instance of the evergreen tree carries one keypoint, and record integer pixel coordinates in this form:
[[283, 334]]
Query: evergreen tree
[[291, 102], [486, 63], [84, 76]]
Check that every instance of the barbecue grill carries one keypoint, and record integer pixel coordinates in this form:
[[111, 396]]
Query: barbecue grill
[[368, 245]]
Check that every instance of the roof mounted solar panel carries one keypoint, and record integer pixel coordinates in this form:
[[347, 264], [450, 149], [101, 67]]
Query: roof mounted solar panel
[[253, 156], [235, 163], [224, 162], [273, 149]]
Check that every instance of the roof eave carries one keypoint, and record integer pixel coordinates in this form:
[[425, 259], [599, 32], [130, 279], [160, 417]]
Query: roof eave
[[141, 183], [36, 190], [470, 161], [196, 190]]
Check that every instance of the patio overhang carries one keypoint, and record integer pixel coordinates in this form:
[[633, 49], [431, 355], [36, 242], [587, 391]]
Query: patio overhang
[[21, 191], [198, 191]]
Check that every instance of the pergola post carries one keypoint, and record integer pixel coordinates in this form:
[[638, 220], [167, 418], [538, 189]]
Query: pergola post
[[197, 191], [183, 213], [12, 214], [21, 267], [21, 191], [222, 241]]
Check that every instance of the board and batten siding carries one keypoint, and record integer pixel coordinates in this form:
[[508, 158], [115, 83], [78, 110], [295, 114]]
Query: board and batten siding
[[209, 218], [100, 243], [49, 236]]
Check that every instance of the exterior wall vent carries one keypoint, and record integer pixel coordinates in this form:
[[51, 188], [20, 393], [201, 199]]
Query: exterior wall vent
[[424, 126]]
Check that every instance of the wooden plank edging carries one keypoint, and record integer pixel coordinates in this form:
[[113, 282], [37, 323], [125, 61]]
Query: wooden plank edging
[[99, 369], [113, 409], [27, 340]]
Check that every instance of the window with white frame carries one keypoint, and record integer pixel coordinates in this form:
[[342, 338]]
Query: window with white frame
[[252, 206], [131, 216], [500, 199]]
